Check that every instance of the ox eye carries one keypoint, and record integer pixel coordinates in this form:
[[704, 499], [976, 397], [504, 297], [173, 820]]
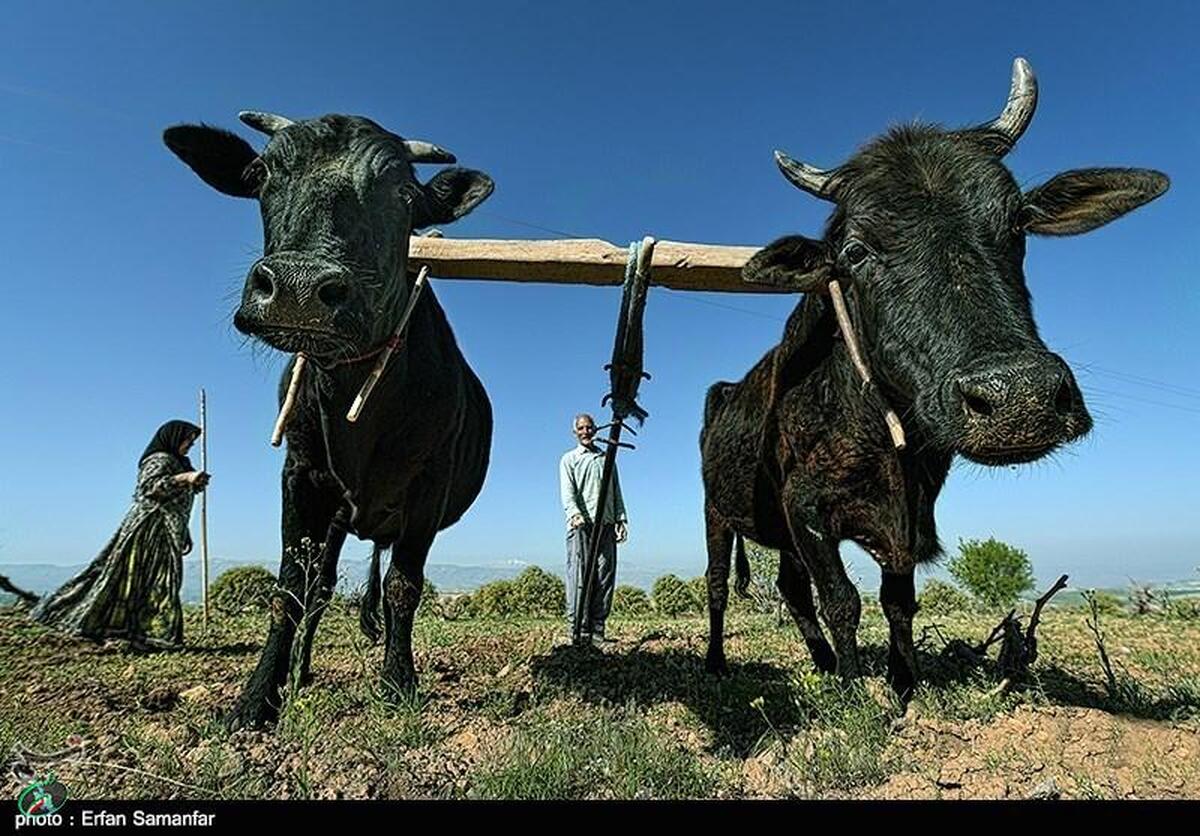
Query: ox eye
[[855, 254], [256, 173]]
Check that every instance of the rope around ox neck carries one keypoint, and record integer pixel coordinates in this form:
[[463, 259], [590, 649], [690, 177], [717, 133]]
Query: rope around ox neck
[[385, 354]]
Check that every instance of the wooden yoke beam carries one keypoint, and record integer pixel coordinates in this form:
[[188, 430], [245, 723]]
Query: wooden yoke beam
[[677, 265]]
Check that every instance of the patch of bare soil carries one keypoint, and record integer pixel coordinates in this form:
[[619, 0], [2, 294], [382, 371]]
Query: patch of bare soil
[[1047, 752]]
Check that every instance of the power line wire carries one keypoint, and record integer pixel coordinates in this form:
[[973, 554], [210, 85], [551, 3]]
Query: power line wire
[[1110, 393], [1125, 377]]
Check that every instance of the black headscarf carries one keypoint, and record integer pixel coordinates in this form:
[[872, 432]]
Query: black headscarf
[[169, 439]]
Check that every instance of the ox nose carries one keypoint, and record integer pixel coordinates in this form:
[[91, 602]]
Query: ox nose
[[261, 284], [295, 289], [1017, 405]]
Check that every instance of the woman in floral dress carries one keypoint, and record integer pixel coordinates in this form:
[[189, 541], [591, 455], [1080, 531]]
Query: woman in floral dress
[[131, 590]]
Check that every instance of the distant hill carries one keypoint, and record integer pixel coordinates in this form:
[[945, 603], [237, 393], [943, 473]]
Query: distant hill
[[41, 578]]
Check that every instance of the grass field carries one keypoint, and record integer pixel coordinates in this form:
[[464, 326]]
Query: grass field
[[504, 710]]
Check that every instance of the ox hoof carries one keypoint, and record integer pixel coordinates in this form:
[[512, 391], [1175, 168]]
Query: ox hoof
[[903, 683], [399, 689], [251, 714]]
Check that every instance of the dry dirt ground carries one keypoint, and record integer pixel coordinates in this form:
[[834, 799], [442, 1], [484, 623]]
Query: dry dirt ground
[[506, 710]]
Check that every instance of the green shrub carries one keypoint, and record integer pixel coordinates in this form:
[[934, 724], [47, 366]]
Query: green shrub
[[497, 599], [1186, 609], [699, 589], [1106, 602], [631, 601], [941, 598], [994, 572], [454, 607], [539, 593], [672, 597], [764, 570], [533, 593], [430, 606], [242, 589]]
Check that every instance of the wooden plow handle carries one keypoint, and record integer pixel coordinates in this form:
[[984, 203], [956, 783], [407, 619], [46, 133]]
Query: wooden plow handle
[[625, 376]]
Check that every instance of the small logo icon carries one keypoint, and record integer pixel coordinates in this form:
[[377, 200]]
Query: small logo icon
[[42, 797]]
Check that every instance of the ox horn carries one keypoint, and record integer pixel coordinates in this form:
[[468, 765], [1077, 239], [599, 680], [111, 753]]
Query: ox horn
[[267, 123], [816, 182], [1018, 111], [420, 151]]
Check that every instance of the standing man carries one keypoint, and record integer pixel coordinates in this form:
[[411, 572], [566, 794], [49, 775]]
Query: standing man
[[579, 475]]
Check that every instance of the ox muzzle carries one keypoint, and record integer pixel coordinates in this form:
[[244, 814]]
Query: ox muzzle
[[1015, 408], [293, 291]]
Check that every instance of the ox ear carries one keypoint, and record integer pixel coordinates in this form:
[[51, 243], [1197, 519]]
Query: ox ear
[[795, 262], [1084, 199], [219, 157], [452, 193]]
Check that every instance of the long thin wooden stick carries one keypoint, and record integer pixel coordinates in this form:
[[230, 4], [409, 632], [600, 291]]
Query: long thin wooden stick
[[369, 384], [204, 504], [289, 400], [843, 317]]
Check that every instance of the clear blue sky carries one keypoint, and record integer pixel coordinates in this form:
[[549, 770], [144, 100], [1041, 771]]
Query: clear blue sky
[[606, 120]]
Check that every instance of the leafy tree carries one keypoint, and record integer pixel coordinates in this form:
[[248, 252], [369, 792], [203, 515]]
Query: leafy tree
[[672, 597], [994, 572], [631, 601], [242, 589], [539, 593], [429, 606], [497, 599], [533, 593]]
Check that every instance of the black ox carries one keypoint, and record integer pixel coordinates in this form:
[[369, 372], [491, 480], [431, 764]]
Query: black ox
[[339, 200], [928, 236]]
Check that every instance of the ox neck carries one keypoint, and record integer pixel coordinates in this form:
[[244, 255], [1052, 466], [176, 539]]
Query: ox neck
[[395, 342], [813, 347]]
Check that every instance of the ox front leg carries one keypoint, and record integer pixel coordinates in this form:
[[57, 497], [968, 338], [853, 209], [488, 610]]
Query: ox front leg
[[308, 511], [720, 544], [898, 596], [402, 589], [841, 607], [796, 588], [840, 604]]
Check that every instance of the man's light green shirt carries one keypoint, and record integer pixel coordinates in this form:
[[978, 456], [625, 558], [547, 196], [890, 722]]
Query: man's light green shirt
[[579, 475]]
